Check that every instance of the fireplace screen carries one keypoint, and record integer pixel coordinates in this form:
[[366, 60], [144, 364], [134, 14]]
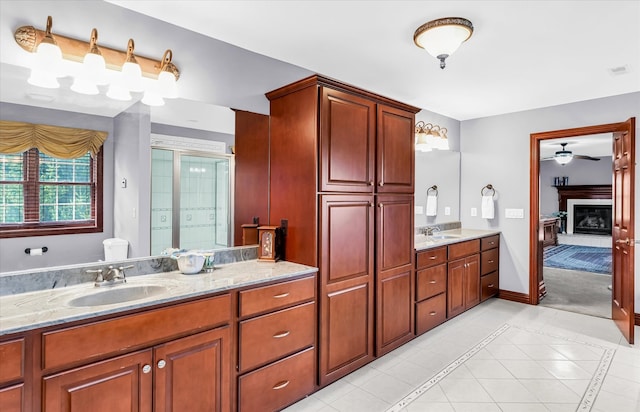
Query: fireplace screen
[[592, 219]]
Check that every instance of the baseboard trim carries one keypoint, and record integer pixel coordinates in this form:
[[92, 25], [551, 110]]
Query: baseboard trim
[[637, 319], [513, 296]]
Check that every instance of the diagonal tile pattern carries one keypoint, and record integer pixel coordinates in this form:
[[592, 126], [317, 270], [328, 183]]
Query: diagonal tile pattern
[[499, 356]]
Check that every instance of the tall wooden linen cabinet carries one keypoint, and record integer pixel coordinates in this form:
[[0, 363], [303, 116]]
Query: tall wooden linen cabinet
[[342, 176]]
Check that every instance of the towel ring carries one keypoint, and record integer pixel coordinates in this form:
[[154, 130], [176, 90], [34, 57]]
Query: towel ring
[[433, 188], [488, 187]]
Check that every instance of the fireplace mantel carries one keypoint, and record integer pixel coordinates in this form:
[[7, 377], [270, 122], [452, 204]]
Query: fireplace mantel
[[581, 192]]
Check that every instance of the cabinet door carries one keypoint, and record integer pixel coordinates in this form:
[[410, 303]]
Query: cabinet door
[[346, 285], [193, 373], [455, 288], [395, 151], [395, 281], [120, 384], [347, 142], [12, 398], [472, 281]]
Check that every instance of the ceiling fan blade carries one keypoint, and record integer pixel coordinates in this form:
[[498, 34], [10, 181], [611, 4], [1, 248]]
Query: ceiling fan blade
[[586, 157], [547, 158]]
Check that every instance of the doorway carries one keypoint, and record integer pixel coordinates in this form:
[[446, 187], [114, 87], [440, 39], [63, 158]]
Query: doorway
[[622, 302]]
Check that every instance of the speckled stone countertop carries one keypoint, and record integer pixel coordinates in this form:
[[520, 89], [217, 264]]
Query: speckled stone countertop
[[423, 242], [31, 310]]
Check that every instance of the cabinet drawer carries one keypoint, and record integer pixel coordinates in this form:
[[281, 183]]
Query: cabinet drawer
[[431, 282], [430, 313], [95, 340], [431, 257], [272, 336], [280, 384], [11, 361], [489, 261], [458, 250], [264, 299], [490, 242], [490, 285]]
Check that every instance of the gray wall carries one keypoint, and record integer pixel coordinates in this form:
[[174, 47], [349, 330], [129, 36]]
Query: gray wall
[[496, 150], [63, 249], [579, 172], [440, 168]]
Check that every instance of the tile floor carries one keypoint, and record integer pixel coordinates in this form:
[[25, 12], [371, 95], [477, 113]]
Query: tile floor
[[499, 356]]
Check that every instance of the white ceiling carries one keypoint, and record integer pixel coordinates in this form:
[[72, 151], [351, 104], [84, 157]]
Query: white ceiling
[[522, 55]]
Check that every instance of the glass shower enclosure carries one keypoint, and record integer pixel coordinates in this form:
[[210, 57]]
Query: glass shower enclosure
[[191, 196]]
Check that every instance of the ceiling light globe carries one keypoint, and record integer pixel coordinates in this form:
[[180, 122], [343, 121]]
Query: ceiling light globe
[[442, 37], [563, 158]]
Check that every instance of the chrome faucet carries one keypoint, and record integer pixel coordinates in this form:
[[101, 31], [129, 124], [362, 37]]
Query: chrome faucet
[[431, 230], [114, 275]]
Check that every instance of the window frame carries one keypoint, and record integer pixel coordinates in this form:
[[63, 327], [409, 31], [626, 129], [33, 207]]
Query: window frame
[[32, 226]]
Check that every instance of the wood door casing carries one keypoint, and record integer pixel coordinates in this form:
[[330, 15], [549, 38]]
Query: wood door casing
[[347, 142], [622, 305], [197, 374], [395, 151]]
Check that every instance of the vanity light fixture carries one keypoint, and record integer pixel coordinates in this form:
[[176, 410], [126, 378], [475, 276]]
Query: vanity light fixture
[[47, 60], [430, 137], [160, 75], [442, 37]]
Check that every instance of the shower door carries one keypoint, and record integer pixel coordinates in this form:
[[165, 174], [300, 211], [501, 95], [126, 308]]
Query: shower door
[[190, 200]]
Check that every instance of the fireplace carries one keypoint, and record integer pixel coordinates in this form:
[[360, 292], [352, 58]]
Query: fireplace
[[592, 219]]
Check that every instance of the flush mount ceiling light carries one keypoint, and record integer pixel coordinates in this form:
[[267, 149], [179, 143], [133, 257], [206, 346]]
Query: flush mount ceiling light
[[442, 37], [430, 137], [125, 67]]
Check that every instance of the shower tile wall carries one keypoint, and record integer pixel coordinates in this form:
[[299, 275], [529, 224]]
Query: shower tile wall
[[161, 200], [197, 202]]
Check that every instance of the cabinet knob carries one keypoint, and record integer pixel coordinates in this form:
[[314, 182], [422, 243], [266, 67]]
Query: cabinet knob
[[280, 296], [432, 313], [146, 369], [490, 285], [432, 281], [370, 182], [491, 261], [381, 184], [280, 385], [432, 257], [492, 243], [282, 334], [161, 363]]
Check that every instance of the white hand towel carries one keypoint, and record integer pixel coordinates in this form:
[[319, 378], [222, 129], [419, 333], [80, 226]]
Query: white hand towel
[[432, 205], [487, 207]]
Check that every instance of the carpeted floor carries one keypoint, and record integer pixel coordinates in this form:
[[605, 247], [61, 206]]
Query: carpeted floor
[[582, 258], [576, 291]]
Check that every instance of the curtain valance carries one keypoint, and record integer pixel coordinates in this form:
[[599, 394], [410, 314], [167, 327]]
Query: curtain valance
[[56, 141]]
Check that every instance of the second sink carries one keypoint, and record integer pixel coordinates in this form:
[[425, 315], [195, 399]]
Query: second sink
[[117, 294]]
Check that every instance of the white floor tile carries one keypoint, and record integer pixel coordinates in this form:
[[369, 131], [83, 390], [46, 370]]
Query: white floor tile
[[419, 406], [610, 402], [506, 390], [561, 407], [387, 388], [464, 390], [476, 407], [526, 369], [359, 401], [522, 407], [551, 391], [565, 369], [334, 391]]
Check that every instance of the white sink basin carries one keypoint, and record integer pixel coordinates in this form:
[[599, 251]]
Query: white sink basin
[[442, 237], [117, 294]]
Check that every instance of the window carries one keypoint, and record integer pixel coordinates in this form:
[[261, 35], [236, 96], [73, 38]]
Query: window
[[44, 195]]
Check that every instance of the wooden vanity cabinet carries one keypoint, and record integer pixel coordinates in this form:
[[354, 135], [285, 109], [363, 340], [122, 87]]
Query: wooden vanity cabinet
[[489, 265], [276, 344], [333, 149], [431, 288], [463, 277], [12, 375], [159, 364]]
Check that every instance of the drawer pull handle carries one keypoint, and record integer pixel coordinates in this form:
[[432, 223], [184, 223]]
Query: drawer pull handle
[[281, 385], [432, 257], [161, 363], [432, 313], [432, 281], [492, 243], [146, 369], [490, 285], [282, 295], [281, 334], [491, 261]]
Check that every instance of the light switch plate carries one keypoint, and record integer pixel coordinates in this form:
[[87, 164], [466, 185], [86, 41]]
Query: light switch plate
[[474, 211], [514, 213], [418, 210]]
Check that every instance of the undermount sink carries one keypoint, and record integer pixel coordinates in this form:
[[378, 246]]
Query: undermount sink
[[117, 294], [442, 237]]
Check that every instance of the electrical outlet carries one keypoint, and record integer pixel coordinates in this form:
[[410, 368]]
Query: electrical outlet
[[447, 211], [474, 211], [514, 213]]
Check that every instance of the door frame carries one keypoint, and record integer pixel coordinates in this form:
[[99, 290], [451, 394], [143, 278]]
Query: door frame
[[534, 189]]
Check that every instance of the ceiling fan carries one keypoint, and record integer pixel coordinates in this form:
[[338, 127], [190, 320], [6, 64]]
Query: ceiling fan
[[564, 156]]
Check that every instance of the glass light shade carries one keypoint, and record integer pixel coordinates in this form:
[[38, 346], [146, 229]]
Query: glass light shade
[[95, 68], [443, 40], [46, 66], [118, 92], [152, 99], [132, 77], [442, 144], [563, 157], [167, 85], [422, 142]]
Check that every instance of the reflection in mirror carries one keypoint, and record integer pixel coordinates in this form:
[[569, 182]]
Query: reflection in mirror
[[439, 168]]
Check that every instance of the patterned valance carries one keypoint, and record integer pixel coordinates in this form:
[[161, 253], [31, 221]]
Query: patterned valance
[[56, 141]]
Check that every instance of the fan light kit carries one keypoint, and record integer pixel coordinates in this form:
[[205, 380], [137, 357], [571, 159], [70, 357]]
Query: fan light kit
[[564, 156]]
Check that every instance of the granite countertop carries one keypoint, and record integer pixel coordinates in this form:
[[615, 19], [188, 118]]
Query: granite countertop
[[423, 242], [31, 310]]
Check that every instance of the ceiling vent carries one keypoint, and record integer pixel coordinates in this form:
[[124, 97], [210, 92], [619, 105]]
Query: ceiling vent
[[617, 71]]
